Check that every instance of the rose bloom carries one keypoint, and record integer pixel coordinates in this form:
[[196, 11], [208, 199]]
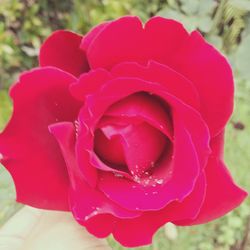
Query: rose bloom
[[124, 127]]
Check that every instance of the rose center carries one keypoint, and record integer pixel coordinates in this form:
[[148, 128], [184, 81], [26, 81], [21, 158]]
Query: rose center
[[129, 136], [134, 147]]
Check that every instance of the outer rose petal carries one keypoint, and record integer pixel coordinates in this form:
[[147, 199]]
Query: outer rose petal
[[222, 194], [88, 205], [126, 39], [30, 152], [92, 34], [212, 76], [62, 50], [150, 222]]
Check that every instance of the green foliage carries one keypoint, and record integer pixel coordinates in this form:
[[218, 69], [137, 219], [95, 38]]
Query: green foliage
[[196, 14], [24, 24], [5, 108]]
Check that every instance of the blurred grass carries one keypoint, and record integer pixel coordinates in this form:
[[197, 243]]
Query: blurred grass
[[226, 24]]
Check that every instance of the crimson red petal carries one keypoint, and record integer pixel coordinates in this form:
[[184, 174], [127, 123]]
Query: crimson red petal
[[222, 194], [89, 83], [92, 34], [150, 222], [62, 50], [31, 154], [148, 108], [126, 39], [139, 156], [212, 76], [175, 83], [89, 206]]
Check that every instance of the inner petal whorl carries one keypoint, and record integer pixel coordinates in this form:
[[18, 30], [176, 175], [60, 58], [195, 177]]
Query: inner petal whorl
[[130, 142]]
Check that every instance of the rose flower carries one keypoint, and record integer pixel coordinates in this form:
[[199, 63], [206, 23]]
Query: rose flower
[[124, 127]]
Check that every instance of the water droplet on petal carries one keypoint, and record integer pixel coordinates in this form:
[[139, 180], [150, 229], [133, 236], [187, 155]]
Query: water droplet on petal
[[86, 218], [137, 179], [159, 181], [118, 175]]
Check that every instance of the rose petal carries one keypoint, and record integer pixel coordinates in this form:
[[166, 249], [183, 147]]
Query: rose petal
[[132, 195], [139, 156], [86, 203], [212, 76], [62, 50], [148, 108], [222, 194], [30, 152], [89, 83], [110, 149], [83, 144], [92, 34], [150, 222], [100, 225], [126, 39], [190, 206], [175, 83], [110, 133], [140, 232]]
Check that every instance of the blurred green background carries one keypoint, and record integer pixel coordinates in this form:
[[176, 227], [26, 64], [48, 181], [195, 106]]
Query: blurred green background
[[24, 24]]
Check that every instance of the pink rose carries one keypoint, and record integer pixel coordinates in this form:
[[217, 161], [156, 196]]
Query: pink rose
[[124, 128]]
